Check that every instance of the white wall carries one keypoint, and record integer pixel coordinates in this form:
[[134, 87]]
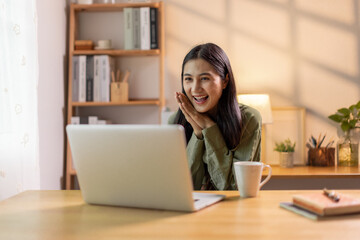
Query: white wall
[[52, 66]]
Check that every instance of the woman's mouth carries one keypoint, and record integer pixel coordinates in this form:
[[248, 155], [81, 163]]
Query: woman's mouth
[[200, 99]]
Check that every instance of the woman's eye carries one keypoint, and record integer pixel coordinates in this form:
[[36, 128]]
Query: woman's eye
[[187, 79], [204, 78]]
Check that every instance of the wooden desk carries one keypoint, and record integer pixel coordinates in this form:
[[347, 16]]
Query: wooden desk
[[307, 177], [64, 215]]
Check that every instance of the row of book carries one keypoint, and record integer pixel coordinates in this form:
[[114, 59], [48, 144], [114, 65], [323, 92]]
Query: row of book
[[88, 120], [141, 28], [91, 78]]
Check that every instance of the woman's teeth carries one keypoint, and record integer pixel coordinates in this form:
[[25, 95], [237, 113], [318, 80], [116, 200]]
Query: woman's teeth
[[201, 99]]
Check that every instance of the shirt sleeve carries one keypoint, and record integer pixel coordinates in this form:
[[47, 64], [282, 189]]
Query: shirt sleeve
[[220, 159], [195, 151]]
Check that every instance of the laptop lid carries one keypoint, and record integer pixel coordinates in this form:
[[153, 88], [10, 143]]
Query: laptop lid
[[141, 166]]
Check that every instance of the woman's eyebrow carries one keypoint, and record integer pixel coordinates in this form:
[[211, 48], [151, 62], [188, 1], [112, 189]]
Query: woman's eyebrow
[[205, 73], [201, 74]]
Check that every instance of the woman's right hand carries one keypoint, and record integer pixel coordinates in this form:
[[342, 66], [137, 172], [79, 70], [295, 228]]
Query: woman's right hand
[[197, 120]]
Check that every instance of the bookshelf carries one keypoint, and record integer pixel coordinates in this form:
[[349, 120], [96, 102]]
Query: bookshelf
[[74, 27]]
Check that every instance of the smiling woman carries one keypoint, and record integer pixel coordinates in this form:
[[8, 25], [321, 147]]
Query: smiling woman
[[219, 132]]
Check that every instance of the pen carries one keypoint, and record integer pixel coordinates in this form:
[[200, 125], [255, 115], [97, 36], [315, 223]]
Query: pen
[[332, 195]]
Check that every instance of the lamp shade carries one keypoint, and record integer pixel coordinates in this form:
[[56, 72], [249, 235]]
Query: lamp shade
[[260, 102]]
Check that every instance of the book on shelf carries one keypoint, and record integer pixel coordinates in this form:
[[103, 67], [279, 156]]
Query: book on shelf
[[141, 28], [136, 28], [75, 78], [82, 78], [318, 205], [128, 28], [107, 65], [89, 78], [154, 28], [97, 78], [145, 28]]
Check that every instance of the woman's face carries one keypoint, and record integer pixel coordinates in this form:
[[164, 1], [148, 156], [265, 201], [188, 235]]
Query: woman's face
[[203, 86]]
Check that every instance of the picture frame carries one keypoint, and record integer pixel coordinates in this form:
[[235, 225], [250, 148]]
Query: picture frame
[[288, 122]]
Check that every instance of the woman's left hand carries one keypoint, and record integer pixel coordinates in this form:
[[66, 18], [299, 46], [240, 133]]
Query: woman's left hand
[[201, 119]]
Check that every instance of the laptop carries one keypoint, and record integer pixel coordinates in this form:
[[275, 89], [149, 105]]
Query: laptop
[[141, 166]]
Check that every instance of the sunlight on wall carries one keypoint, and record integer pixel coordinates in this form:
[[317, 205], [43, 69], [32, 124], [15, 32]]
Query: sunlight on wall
[[258, 20], [301, 52], [338, 10], [328, 45]]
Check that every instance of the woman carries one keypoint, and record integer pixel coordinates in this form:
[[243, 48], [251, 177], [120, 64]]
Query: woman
[[218, 131]]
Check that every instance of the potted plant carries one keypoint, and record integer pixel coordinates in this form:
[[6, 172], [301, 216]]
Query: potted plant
[[348, 145], [286, 151]]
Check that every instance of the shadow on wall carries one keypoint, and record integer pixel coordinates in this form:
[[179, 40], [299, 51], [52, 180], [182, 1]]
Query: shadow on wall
[[303, 53]]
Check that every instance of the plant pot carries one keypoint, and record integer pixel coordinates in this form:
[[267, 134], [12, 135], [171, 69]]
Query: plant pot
[[286, 159]]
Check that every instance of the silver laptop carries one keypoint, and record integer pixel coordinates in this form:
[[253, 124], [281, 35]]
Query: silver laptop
[[142, 166]]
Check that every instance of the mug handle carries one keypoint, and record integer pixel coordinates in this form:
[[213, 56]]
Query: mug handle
[[268, 176]]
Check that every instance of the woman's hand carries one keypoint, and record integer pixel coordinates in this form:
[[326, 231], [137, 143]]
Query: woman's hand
[[198, 121]]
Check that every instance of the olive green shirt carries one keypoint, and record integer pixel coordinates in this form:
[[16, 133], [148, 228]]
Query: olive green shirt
[[212, 152]]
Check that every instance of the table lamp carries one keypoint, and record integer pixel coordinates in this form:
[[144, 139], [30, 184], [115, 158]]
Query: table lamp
[[260, 102]]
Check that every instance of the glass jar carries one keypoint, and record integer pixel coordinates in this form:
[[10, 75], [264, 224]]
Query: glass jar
[[348, 151]]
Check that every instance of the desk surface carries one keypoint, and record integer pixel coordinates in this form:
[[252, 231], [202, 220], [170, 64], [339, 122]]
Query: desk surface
[[314, 172], [64, 215]]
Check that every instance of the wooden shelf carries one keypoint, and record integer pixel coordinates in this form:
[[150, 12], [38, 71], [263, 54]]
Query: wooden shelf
[[131, 102], [314, 172], [118, 52], [76, 11], [110, 7]]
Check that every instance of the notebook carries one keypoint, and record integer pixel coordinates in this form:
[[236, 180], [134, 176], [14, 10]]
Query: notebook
[[141, 166]]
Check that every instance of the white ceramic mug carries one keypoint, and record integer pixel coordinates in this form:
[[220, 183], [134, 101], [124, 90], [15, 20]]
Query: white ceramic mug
[[248, 177]]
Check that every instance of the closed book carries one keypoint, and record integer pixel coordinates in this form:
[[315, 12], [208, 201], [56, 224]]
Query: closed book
[[136, 28], [322, 205], [82, 78], [96, 78], [93, 119], [145, 28], [75, 78], [84, 120], [107, 65], [128, 28], [89, 78], [75, 120], [154, 40]]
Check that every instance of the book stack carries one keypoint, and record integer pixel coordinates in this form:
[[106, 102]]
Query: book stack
[[88, 120], [91, 78], [141, 28], [319, 205]]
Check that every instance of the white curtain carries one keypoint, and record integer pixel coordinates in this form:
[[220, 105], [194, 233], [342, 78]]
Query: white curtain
[[19, 153]]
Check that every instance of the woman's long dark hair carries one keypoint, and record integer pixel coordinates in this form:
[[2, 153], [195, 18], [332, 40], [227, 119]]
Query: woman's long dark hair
[[228, 116]]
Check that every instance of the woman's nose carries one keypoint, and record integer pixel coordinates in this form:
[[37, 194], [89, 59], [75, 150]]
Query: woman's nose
[[197, 85]]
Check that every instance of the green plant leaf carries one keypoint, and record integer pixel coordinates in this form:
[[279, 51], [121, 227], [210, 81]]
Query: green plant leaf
[[352, 107], [285, 146], [344, 111], [345, 126], [358, 105], [352, 123], [336, 118]]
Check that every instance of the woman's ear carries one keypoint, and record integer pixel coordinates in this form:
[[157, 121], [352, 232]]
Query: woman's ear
[[226, 81]]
